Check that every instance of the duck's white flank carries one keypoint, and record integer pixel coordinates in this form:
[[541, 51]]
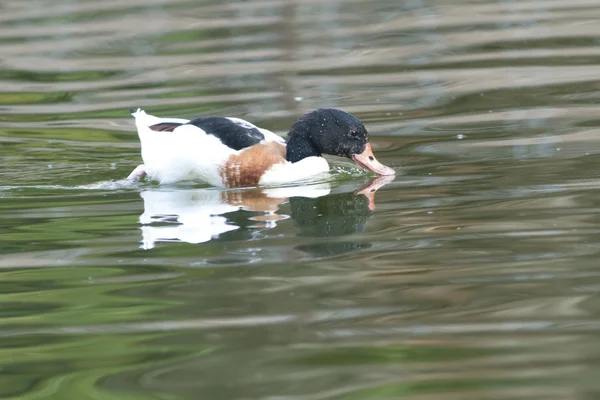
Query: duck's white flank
[[306, 169], [187, 153]]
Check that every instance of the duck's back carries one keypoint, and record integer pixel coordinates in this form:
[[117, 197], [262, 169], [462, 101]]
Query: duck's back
[[232, 134]]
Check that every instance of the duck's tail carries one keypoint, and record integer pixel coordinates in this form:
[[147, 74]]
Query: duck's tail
[[145, 120]]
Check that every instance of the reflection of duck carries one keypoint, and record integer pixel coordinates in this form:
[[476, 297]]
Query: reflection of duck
[[199, 215], [338, 214], [231, 152], [196, 215]]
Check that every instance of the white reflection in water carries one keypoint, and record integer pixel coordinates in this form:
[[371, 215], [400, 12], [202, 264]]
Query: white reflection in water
[[197, 215]]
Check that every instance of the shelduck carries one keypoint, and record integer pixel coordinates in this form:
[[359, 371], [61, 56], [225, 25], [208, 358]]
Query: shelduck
[[232, 152]]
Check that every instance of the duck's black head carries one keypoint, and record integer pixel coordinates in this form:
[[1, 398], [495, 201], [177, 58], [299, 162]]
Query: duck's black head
[[334, 132]]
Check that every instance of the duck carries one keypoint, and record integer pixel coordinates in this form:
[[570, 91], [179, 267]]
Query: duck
[[231, 152]]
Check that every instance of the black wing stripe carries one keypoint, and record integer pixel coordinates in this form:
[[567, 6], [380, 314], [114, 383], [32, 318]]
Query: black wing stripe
[[229, 133], [165, 126]]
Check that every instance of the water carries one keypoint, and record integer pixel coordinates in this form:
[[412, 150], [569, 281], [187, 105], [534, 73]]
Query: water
[[472, 275]]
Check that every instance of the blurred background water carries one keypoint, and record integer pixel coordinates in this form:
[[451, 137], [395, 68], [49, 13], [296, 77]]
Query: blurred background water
[[472, 275]]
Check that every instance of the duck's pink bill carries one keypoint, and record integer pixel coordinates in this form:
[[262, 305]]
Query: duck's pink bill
[[367, 160]]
